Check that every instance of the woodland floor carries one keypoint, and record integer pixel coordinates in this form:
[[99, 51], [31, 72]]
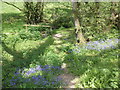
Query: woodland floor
[[69, 80], [89, 69]]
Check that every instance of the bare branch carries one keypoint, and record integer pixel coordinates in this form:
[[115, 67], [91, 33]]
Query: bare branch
[[12, 5]]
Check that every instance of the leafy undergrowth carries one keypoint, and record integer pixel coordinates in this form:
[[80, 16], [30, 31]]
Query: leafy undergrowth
[[39, 65], [96, 63]]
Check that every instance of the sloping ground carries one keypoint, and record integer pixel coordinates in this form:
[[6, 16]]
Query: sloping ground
[[69, 80]]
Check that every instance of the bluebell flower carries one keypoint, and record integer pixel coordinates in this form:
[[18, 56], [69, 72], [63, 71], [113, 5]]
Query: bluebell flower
[[14, 79], [25, 80], [44, 82], [19, 77], [53, 82], [69, 51], [16, 73], [59, 78], [58, 67], [39, 76], [28, 73], [12, 83], [36, 82], [46, 67], [38, 68], [35, 78], [53, 67], [32, 69], [23, 72], [43, 69]]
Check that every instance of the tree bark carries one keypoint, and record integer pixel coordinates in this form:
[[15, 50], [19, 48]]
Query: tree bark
[[33, 11], [115, 15], [78, 31]]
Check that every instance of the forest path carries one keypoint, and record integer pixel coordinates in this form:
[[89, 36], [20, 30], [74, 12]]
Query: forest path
[[69, 80]]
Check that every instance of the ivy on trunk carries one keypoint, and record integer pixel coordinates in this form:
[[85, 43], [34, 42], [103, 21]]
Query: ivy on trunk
[[33, 12]]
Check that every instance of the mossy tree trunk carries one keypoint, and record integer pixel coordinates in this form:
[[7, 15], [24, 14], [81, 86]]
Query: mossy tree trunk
[[79, 35], [115, 14], [33, 12]]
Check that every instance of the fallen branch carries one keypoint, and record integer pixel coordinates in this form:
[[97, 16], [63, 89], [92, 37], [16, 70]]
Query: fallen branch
[[36, 25]]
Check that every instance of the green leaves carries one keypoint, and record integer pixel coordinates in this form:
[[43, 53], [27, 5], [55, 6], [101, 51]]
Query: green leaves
[[96, 69]]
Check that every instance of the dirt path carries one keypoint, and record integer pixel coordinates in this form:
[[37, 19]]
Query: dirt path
[[68, 79]]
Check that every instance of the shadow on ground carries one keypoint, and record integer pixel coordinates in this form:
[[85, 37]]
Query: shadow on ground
[[20, 61]]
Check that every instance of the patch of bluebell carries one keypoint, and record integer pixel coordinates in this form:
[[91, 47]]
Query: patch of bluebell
[[97, 45], [36, 79]]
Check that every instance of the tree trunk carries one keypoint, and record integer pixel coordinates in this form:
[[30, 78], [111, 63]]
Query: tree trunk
[[97, 12], [114, 18], [33, 11], [115, 15], [39, 11], [78, 31]]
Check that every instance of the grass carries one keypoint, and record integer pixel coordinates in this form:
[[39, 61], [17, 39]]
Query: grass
[[96, 69]]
